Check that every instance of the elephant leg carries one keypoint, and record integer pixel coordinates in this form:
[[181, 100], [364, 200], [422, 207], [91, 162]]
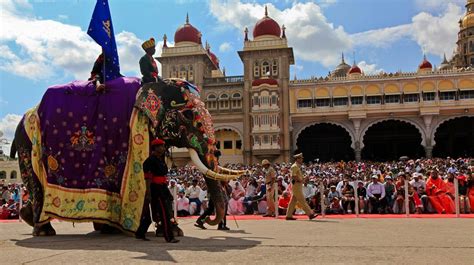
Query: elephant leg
[[31, 212], [97, 226], [26, 214], [44, 230], [109, 230]]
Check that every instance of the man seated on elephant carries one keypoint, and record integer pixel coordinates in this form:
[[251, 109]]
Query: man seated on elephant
[[148, 66], [155, 170], [97, 76]]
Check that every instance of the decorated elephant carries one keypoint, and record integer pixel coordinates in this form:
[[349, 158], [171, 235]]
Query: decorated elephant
[[81, 152]]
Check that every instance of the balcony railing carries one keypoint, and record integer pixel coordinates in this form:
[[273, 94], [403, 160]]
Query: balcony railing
[[224, 80]]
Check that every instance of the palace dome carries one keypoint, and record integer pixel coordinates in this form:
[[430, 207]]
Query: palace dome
[[425, 64], [187, 32], [266, 26]]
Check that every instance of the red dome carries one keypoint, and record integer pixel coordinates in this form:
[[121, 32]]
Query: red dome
[[268, 81], [266, 26], [355, 70], [214, 59], [425, 64], [187, 33]]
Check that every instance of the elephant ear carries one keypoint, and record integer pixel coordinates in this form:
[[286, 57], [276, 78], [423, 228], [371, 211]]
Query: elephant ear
[[150, 103]]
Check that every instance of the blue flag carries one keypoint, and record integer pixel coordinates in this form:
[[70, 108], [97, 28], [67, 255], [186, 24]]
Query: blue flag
[[101, 30]]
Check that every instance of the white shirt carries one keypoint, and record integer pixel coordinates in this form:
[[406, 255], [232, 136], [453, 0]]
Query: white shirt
[[193, 192], [183, 203], [341, 184], [418, 184], [376, 188], [203, 195]]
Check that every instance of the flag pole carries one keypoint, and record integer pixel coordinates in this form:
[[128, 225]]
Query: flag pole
[[103, 73]]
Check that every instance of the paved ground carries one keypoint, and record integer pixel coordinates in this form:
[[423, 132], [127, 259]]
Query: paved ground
[[328, 241]]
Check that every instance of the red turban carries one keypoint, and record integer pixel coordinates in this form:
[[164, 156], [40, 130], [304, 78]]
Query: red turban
[[157, 141]]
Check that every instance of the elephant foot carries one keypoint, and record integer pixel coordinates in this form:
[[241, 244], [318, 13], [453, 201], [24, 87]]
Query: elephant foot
[[97, 226], [26, 214], [109, 230], [44, 230]]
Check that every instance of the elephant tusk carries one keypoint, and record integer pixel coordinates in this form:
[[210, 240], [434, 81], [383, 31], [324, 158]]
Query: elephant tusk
[[232, 172], [206, 171], [217, 176]]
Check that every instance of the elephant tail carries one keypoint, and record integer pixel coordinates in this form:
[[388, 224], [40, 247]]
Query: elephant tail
[[13, 150], [14, 147]]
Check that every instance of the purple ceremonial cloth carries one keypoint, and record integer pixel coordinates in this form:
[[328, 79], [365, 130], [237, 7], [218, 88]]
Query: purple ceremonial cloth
[[85, 134]]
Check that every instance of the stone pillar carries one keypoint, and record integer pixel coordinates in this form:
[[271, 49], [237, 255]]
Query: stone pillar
[[428, 151], [358, 152]]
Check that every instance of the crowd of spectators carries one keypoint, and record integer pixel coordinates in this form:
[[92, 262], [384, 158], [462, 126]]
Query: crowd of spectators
[[379, 187], [10, 196]]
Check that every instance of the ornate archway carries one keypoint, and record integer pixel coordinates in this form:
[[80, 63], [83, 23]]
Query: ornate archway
[[390, 139], [454, 137], [326, 141]]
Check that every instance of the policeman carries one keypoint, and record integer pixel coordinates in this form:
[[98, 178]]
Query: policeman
[[270, 179], [297, 196]]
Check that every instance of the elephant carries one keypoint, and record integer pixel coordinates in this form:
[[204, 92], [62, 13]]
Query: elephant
[[82, 177]]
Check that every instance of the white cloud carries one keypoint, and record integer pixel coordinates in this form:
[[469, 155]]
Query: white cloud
[[8, 126], [437, 5], [225, 47], [312, 37], [325, 3], [382, 37], [434, 34], [437, 34], [369, 69], [40, 49]]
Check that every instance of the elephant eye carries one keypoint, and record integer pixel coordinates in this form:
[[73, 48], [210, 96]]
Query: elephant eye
[[188, 114]]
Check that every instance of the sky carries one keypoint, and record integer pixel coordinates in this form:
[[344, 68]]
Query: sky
[[44, 42]]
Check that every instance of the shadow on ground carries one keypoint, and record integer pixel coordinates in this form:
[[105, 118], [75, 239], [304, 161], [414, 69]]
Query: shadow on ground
[[155, 250]]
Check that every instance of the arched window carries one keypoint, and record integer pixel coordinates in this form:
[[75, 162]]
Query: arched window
[[224, 101], [236, 101], [182, 72], [255, 100], [190, 73], [265, 68], [211, 101], [264, 98], [275, 68], [13, 174], [3, 174], [257, 140], [266, 139], [274, 99], [256, 70]]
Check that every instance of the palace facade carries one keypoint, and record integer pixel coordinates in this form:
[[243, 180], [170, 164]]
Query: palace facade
[[344, 116]]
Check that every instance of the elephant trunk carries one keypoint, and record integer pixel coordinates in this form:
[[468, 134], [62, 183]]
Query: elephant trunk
[[213, 186], [216, 196]]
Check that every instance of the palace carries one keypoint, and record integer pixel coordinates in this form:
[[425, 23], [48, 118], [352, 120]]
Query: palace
[[346, 115]]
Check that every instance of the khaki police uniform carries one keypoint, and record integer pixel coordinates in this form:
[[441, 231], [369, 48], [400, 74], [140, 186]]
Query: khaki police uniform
[[270, 178], [297, 192]]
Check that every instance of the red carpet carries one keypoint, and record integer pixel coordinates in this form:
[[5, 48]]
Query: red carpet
[[346, 216], [337, 216]]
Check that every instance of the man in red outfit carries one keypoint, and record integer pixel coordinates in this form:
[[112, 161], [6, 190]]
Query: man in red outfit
[[436, 191]]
